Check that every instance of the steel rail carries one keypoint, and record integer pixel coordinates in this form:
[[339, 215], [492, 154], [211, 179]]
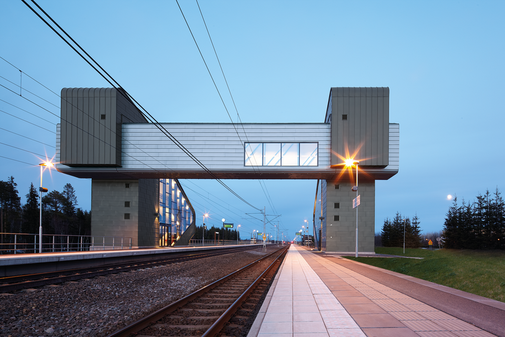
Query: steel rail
[[159, 314], [14, 283], [220, 323]]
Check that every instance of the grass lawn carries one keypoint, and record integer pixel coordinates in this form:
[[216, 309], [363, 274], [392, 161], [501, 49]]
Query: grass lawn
[[477, 272]]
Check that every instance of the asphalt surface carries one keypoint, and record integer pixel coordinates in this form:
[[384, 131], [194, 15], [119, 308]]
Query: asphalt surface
[[467, 307]]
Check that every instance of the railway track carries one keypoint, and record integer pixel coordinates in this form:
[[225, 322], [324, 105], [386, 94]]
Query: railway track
[[21, 282], [223, 308]]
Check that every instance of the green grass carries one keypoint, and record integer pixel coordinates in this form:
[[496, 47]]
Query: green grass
[[477, 272]]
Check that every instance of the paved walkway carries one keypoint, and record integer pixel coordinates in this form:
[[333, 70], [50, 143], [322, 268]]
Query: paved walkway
[[313, 296]]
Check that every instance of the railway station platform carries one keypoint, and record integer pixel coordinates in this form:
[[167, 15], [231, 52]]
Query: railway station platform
[[314, 295], [17, 264]]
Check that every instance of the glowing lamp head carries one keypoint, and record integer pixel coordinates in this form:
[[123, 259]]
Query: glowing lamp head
[[48, 164], [351, 162]]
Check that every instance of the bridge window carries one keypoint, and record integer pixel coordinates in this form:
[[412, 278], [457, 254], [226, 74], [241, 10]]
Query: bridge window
[[271, 154], [308, 154], [290, 154], [253, 154], [281, 154]]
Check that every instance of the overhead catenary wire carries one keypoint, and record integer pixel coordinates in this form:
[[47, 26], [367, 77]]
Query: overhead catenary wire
[[20, 135], [19, 161], [123, 92], [20, 86], [106, 143], [261, 182]]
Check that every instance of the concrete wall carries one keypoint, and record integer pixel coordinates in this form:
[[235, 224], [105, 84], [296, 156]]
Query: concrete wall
[[341, 234], [108, 199], [108, 207]]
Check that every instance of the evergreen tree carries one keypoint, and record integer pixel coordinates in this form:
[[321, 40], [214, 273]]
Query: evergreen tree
[[53, 217], [31, 215], [83, 222], [11, 206], [413, 239], [393, 232], [451, 239], [386, 233]]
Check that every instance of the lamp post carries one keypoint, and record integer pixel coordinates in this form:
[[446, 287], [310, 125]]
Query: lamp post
[[206, 215], [47, 164], [349, 163], [238, 232]]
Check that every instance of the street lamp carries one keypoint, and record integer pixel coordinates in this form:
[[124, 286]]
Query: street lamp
[[206, 215], [49, 165], [238, 232], [349, 163]]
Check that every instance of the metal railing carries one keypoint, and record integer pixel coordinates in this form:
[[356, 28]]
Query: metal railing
[[21, 243], [209, 242]]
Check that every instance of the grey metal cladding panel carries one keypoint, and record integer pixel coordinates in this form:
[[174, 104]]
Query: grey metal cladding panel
[[386, 123], [63, 127], [96, 130], [101, 134], [110, 132], [80, 127], [90, 114], [73, 121], [378, 158]]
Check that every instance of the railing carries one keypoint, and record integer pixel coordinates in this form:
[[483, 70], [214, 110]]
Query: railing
[[21, 243], [209, 242]]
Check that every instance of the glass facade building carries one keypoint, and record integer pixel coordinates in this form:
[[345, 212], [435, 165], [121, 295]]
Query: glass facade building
[[175, 212]]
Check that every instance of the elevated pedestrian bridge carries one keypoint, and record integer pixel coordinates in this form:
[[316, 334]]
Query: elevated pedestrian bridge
[[103, 135], [229, 151]]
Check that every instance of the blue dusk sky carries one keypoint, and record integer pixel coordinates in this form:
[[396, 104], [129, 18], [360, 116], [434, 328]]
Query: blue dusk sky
[[442, 60]]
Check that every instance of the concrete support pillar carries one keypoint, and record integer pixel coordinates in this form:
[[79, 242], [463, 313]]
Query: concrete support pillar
[[340, 217], [125, 208]]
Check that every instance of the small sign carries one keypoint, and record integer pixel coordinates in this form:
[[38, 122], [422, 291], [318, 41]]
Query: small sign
[[356, 201], [259, 233], [264, 237], [430, 243], [298, 233], [227, 225]]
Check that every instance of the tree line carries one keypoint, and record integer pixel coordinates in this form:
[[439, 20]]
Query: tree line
[[392, 232], [476, 225], [224, 233], [60, 214]]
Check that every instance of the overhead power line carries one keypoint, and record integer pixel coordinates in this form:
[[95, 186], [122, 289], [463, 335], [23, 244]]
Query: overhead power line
[[96, 66], [261, 182]]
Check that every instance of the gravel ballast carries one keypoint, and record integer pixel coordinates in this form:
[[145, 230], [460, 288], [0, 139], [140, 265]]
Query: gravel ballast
[[102, 305]]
